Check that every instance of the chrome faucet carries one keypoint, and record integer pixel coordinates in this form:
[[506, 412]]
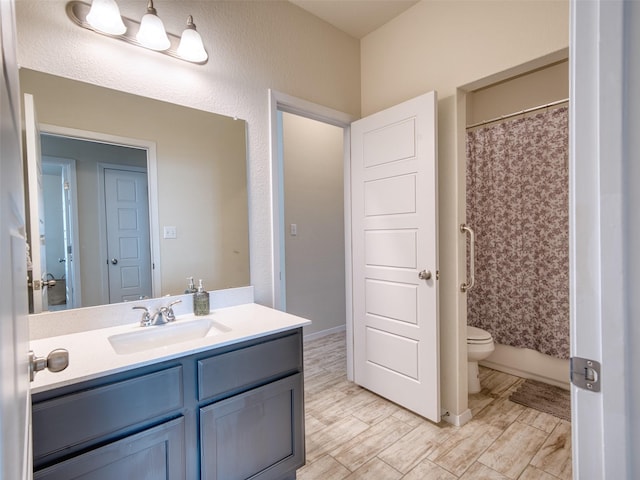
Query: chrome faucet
[[160, 317]]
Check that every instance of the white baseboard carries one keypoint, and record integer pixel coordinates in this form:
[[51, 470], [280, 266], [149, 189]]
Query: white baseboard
[[324, 333], [457, 420]]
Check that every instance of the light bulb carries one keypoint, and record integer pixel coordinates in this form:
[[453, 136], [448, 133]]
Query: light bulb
[[191, 47], [104, 17], [152, 33]]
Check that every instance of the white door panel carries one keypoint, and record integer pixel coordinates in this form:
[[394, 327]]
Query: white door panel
[[397, 301], [390, 196], [128, 248], [394, 218], [15, 402], [37, 240]]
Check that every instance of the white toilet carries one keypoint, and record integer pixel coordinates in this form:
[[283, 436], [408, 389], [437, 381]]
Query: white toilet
[[479, 346]]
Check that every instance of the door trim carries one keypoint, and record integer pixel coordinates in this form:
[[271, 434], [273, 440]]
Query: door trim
[[152, 184], [68, 166], [281, 102]]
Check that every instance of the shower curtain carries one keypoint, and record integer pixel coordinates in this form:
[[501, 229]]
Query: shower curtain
[[517, 203]]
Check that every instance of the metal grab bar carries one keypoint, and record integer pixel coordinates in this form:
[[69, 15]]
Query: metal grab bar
[[465, 287]]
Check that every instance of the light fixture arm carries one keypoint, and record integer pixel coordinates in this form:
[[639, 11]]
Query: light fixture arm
[[77, 11]]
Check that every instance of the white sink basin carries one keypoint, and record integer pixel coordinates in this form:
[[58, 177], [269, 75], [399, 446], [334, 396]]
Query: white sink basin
[[146, 338]]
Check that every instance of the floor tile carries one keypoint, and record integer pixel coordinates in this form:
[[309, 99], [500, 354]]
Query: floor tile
[[555, 455], [332, 436], [375, 468], [322, 469], [427, 470], [513, 450], [540, 420], [479, 471], [532, 473], [464, 446], [414, 447], [369, 443]]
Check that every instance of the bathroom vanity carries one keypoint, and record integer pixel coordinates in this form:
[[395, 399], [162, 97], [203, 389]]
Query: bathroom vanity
[[221, 407]]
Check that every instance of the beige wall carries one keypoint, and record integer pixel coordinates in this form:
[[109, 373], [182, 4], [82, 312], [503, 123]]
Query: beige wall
[[443, 46], [253, 46], [201, 166], [313, 167], [542, 86]]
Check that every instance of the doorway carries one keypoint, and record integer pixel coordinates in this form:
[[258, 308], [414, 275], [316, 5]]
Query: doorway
[[61, 221], [280, 103], [535, 95], [90, 255], [313, 214]]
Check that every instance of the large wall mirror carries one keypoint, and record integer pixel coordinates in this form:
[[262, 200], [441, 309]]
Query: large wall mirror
[[115, 163]]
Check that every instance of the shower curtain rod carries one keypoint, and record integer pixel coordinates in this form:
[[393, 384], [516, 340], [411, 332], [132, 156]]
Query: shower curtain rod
[[528, 110]]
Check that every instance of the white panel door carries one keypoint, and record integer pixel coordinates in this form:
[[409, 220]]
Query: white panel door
[[15, 402], [128, 249], [394, 219], [37, 240]]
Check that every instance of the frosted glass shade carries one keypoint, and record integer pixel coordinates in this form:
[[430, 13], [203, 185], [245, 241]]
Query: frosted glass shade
[[104, 17], [152, 33], [191, 47]]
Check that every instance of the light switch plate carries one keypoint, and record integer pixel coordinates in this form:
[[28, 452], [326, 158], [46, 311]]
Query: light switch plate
[[170, 232]]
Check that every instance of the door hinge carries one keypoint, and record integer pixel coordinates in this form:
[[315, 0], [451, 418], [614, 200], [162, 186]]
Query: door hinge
[[585, 373]]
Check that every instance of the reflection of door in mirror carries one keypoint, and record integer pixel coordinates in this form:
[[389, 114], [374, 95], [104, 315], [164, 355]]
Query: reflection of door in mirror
[[61, 217], [90, 255], [36, 232], [127, 231]]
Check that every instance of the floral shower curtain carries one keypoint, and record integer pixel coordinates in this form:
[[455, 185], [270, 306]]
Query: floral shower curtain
[[517, 203]]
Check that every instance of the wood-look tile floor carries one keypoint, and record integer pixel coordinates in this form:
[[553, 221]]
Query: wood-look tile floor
[[352, 433]]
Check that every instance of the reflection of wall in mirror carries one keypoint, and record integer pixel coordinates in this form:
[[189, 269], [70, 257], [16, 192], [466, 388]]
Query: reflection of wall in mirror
[[201, 173]]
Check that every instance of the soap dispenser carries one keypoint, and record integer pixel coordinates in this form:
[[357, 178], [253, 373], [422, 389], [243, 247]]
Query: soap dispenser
[[191, 288], [201, 301]]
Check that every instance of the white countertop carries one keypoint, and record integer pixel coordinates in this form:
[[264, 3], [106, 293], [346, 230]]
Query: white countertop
[[91, 355]]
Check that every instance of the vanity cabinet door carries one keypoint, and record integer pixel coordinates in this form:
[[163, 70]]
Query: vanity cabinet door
[[258, 434], [154, 454]]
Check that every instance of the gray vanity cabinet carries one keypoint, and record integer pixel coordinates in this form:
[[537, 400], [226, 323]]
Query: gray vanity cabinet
[[244, 436], [229, 412]]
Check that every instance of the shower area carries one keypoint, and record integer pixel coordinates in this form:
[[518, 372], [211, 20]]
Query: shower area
[[517, 202]]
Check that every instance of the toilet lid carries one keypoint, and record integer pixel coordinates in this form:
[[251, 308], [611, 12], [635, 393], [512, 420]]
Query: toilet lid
[[477, 335]]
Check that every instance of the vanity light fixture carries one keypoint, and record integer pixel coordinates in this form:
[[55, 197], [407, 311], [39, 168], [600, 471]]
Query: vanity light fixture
[[152, 33], [191, 47], [103, 16]]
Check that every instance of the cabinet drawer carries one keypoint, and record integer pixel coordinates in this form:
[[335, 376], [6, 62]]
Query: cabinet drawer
[[258, 434], [155, 454], [241, 369], [81, 417]]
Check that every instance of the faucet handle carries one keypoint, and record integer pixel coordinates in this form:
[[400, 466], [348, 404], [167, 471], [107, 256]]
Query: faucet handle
[[169, 315], [145, 321]]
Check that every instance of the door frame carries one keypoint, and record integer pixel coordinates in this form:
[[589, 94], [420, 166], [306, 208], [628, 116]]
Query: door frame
[[152, 184], [68, 169], [603, 264], [281, 102]]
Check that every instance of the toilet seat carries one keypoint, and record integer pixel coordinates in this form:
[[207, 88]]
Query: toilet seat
[[478, 336]]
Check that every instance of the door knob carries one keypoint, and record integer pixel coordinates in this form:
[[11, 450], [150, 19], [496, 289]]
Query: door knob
[[425, 275], [114, 261], [56, 361]]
